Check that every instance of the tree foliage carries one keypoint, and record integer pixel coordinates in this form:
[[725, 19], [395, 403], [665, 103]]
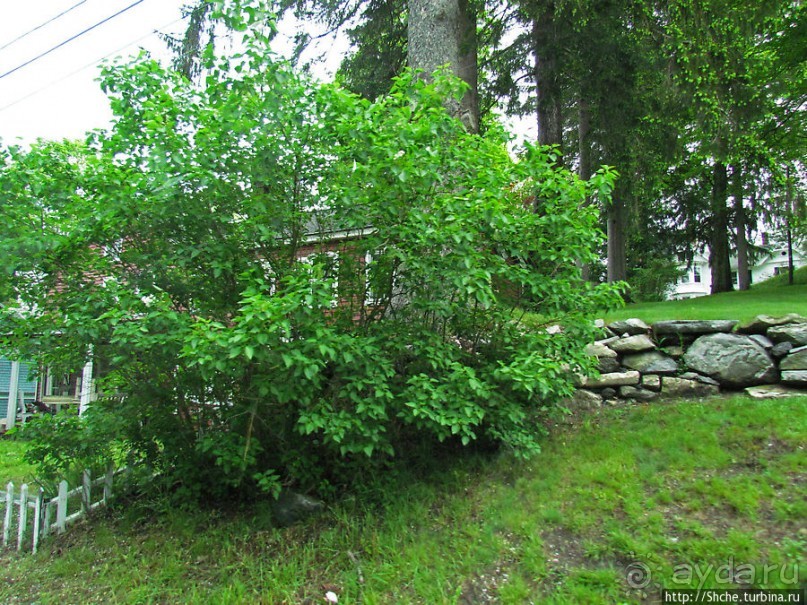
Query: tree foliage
[[371, 68], [667, 93], [181, 266]]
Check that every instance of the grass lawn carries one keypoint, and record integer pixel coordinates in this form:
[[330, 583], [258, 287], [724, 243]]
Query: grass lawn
[[772, 297], [662, 495], [12, 466]]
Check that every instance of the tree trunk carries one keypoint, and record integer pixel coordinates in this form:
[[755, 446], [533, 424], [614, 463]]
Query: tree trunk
[[743, 277], [789, 217], [583, 139], [547, 79], [584, 151], [443, 32], [719, 244], [617, 266]]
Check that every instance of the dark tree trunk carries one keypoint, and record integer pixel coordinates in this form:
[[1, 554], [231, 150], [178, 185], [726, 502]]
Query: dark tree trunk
[[584, 139], [547, 78], [791, 268], [443, 32], [719, 244], [617, 266], [741, 239], [584, 151], [789, 217]]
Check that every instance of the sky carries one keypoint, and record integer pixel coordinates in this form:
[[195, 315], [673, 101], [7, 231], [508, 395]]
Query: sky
[[48, 86], [56, 96]]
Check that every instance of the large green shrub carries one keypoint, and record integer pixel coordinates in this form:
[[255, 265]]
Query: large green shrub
[[242, 364]]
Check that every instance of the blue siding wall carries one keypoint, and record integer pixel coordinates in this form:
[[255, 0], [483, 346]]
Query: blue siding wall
[[27, 384]]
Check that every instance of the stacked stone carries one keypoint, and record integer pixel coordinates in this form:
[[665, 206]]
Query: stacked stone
[[786, 340], [695, 358]]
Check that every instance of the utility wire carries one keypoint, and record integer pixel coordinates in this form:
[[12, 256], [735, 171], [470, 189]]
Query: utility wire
[[41, 25], [88, 65], [92, 27]]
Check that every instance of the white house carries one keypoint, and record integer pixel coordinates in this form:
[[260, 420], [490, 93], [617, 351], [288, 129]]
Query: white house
[[697, 281]]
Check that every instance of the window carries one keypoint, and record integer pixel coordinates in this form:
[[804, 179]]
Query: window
[[734, 277], [696, 274]]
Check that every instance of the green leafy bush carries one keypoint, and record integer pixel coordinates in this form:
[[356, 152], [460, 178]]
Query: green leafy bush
[[64, 445], [243, 367]]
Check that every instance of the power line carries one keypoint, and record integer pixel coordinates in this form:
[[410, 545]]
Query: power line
[[88, 65], [41, 25], [92, 27]]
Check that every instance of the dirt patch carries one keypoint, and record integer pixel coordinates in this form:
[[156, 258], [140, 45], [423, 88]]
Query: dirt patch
[[482, 588], [563, 550]]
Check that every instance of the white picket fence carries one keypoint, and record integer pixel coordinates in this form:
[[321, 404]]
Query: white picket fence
[[31, 516]]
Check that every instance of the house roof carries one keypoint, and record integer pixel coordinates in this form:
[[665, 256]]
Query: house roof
[[324, 226]]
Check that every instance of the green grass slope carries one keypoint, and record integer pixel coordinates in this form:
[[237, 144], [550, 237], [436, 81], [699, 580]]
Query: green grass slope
[[12, 466], [618, 502], [772, 297], [799, 278]]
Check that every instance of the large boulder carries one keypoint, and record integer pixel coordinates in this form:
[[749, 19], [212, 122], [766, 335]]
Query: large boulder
[[631, 327], [794, 333], [650, 362], [681, 327], [795, 360], [761, 323], [633, 344], [733, 360]]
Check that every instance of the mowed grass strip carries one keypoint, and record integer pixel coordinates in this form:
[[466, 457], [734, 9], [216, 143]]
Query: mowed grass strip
[[12, 466], [771, 297], [693, 484]]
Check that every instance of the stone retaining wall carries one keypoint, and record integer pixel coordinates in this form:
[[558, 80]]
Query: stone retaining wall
[[695, 358]]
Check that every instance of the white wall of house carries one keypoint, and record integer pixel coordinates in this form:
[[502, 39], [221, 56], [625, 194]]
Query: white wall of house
[[697, 281], [776, 263]]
